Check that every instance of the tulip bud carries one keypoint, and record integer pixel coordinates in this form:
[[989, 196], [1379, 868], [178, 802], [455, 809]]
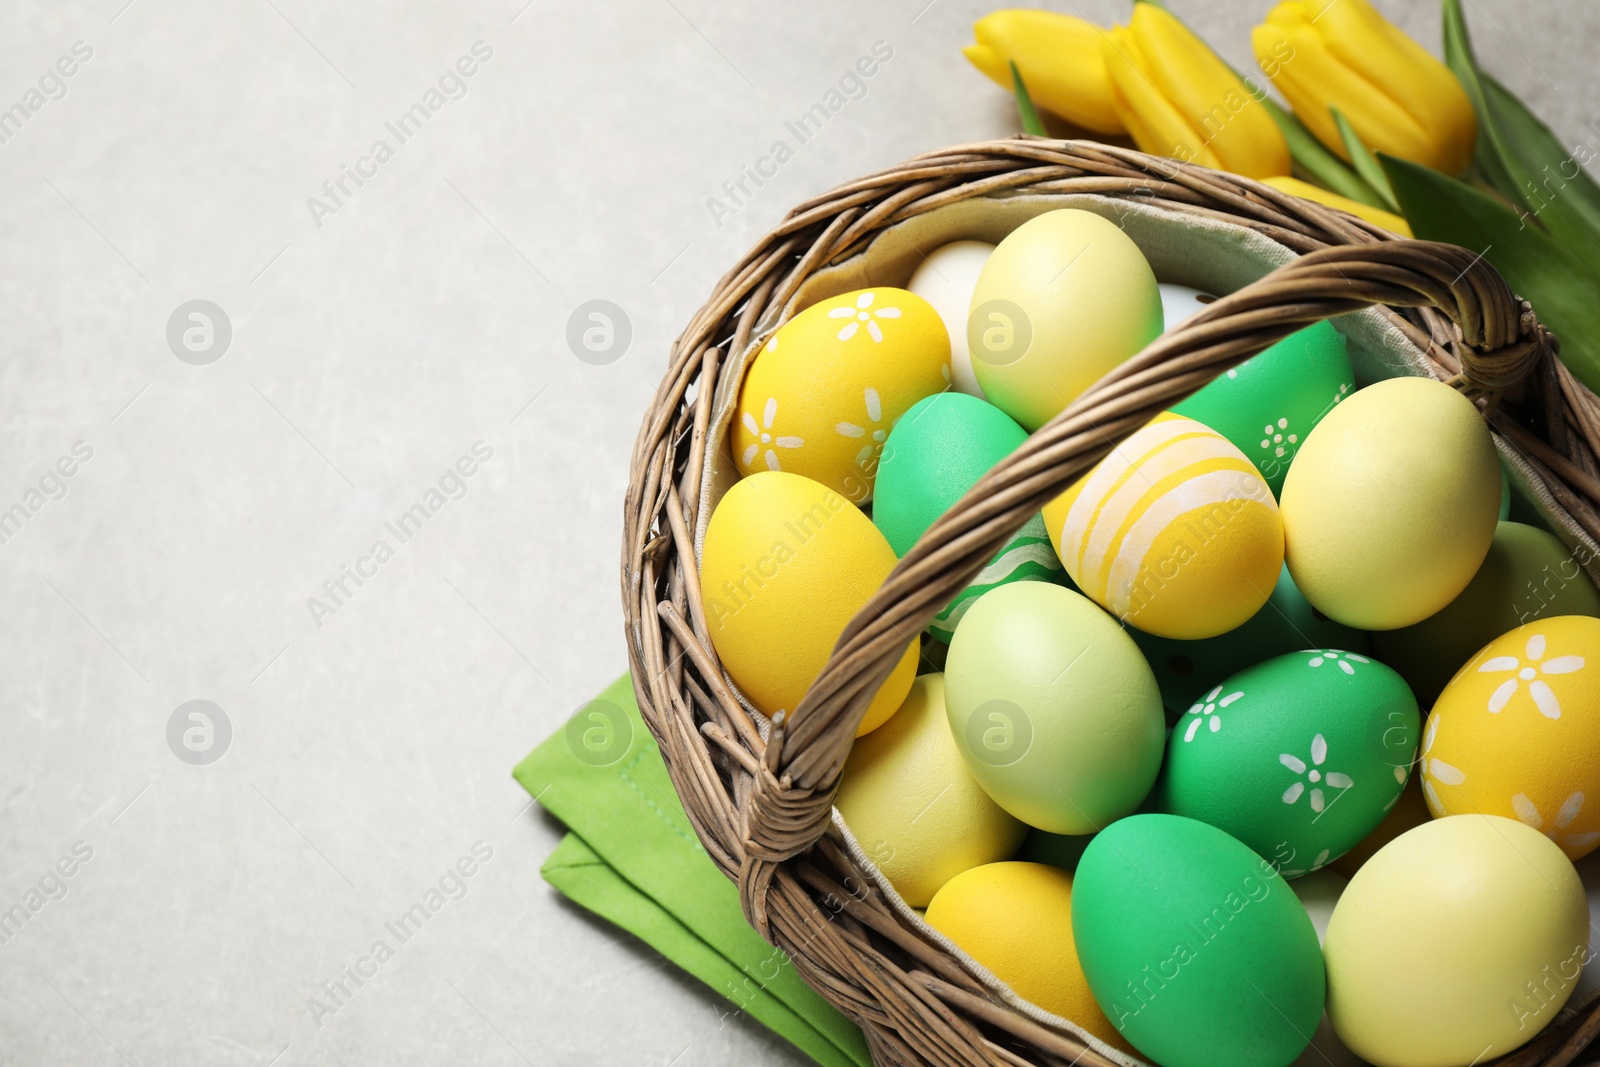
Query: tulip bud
[[1058, 57], [1178, 99], [1326, 54], [1375, 215]]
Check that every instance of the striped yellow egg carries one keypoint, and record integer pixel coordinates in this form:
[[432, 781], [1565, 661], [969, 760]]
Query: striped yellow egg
[[1175, 532]]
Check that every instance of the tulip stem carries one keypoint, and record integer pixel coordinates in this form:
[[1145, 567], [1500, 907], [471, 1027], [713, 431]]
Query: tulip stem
[[1030, 115]]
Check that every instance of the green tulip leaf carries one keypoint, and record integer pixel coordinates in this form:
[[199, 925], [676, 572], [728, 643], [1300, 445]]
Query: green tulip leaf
[[1030, 114], [1362, 160], [1557, 173], [1521, 157], [1560, 286], [1458, 56], [1314, 161]]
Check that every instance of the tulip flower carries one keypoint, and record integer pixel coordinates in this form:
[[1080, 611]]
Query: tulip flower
[[1058, 57], [1326, 54], [1178, 99], [1375, 215]]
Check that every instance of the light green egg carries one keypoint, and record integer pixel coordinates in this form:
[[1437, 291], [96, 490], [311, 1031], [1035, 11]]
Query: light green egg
[[1268, 404], [1528, 574], [1299, 757], [1055, 711], [1194, 946], [935, 453], [1287, 622]]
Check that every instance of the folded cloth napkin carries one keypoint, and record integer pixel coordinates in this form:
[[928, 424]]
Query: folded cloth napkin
[[633, 859]]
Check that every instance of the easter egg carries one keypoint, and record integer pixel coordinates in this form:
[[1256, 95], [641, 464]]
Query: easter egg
[[939, 450], [1371, 492], [1268, 404], [946, 279], [1174, 532], [1016, 920], [1194, 947], [1528, 574], [1055, 711], [1409, 811], [912, 806], [785, 565], [1287, 622], [1064, 299], [1299, 757], [821, 396], [1455, 944], [1517, 733], [1180, 303]]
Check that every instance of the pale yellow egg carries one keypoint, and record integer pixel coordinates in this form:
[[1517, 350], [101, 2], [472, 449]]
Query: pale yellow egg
[[1391, 504], [785, 565], [912, 805], [1064, 299], [1456, 943], [821, 396]]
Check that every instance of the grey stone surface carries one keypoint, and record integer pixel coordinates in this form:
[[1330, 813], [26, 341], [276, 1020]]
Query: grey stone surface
[[373, 345]]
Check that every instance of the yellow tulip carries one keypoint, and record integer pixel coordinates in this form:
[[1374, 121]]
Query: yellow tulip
[[1375, 215], [1059, 59], [1178, 99], [1324, 54]]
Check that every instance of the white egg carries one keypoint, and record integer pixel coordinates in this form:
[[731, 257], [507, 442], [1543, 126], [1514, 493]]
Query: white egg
[[1179, 302], [946, 279]]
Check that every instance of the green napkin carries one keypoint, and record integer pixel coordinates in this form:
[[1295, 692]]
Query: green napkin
[[632, 858]]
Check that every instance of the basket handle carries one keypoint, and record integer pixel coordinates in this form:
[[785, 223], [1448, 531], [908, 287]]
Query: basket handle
[[1502, 343]]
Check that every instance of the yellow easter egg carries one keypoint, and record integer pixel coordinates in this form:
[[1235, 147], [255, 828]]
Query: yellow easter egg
[[1456, 943], [1059, 303], [1175, 532], [1016, 920], [785, 565], [1390, 506], [1517, 733], [912, 805], [823, 393]]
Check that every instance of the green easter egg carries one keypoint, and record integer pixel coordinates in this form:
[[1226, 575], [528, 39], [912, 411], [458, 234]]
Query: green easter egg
[[1287, 622], [1055, 712], [1194, 946], [935, 453], [1528, 574], [1268, 404], [1299, 757]]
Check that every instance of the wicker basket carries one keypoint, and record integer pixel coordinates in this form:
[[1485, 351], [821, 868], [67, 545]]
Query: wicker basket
[[760, 793]]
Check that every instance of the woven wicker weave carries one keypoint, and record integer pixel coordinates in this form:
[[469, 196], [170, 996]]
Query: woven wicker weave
[[760, 795]]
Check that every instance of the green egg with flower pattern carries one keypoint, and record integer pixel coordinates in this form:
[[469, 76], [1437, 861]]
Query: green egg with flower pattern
[[1299, 757], [1268, 404]]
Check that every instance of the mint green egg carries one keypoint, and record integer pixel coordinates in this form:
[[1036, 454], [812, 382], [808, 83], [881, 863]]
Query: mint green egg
[[1286, 622], [1268, 404], [1195, 947], [1299, 757], [1528, 574], [935, 453]]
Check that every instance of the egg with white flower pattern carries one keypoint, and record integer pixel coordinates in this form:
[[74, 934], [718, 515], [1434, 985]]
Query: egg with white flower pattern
[[1299, 757], [821, 396], [1517, 733]]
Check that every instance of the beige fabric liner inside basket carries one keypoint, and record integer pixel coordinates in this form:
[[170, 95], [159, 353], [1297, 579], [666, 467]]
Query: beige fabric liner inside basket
[[1205, 253]]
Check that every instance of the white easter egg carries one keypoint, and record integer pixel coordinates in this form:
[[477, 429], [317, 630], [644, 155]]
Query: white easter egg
[[946, 279]]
